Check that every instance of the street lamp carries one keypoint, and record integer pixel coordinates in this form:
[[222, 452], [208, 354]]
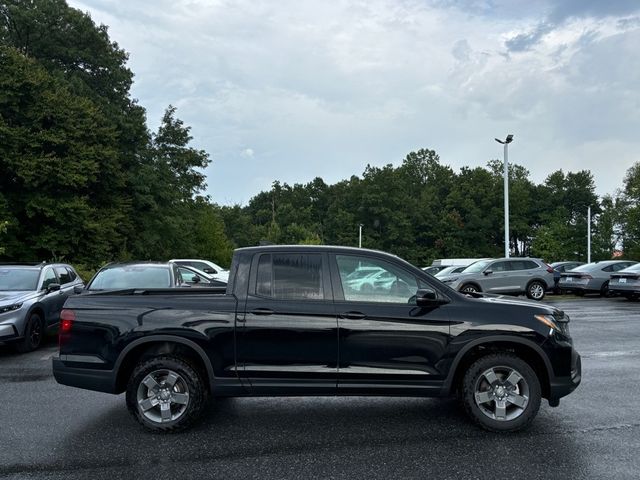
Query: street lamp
[[360, 236], [506, 143]]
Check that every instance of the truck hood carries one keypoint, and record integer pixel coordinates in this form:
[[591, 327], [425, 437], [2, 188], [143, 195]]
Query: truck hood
[[535, 306], [10, 297]]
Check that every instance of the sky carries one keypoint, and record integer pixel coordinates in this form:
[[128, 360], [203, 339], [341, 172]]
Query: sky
[[290, 90]]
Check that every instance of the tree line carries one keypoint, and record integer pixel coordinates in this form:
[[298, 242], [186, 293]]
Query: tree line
[[84, 180]]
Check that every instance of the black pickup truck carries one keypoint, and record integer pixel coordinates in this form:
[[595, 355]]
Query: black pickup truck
[[309, 320]]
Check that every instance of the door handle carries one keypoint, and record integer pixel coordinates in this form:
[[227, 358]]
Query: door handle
[[262, 311], [353, 315]]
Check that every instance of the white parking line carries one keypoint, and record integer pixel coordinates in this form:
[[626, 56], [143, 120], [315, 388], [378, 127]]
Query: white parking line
[[630, 353]]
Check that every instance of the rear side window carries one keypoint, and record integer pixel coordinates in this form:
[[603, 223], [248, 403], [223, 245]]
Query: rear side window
[[290, 276], [63, 275], [523, 265]]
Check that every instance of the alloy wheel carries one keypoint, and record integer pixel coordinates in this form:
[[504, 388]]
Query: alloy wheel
[[501, 393], [536, 291], [163, 396]]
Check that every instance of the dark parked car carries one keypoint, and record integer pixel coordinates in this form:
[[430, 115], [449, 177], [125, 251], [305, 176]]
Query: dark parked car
[[592, 277], [559, 268], [626, 282], [122, 276], [289, 324], [31, 297]]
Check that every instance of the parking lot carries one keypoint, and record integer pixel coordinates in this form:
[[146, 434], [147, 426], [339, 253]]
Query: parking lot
[[52, 431]]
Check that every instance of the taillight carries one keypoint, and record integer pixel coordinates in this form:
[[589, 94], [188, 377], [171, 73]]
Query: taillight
[[66, 320], [588, 277], [549, 269]]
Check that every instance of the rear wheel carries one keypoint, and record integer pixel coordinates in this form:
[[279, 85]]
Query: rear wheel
[[604, 290], [535, 290], [33, 334], [166, 394], [501, 393]]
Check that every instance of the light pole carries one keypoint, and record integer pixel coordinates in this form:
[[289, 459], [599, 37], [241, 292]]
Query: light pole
[[360, 236], [589, 234], [506, 143]]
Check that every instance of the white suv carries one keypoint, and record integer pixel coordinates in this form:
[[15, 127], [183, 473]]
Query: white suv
[[216, 271]]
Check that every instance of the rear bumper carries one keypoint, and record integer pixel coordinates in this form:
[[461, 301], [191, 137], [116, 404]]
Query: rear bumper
[[82, 377], [563, 386]]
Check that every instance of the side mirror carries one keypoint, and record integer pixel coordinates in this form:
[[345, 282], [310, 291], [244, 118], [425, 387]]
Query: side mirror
[[78, 289], [53, 287], [210, 270], [488, 272], [195, 279], [425, 297]]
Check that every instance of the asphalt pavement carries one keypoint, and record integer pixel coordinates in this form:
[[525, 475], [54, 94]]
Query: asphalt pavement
[[54, 432]]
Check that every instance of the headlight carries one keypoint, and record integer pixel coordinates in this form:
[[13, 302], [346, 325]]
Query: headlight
[[10, 308], [549, 321], [450, 280]]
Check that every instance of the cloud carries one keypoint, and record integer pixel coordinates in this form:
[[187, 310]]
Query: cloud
[[247, 153], [292, 90]]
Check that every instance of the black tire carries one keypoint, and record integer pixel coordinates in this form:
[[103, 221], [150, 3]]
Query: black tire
[[33, 335], [604, 290], [469, 288], [192, 383], [475, 376], [536, 290]]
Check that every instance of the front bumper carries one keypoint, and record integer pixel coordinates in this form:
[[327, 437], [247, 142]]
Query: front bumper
[[70, 374], [563, 386]]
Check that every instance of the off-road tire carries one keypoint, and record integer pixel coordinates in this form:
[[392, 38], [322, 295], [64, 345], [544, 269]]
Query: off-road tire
[[197, 391], [498, 360]]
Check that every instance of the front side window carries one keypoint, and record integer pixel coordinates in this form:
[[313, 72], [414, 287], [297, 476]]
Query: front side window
[[63, 275], [290, 276], [49, 278], [384, 283], [189, 276], [500, 267]]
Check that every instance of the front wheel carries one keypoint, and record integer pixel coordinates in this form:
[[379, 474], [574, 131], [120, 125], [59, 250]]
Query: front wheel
[[501, 393], [166, 394], [469, 288], [535, 290], [33, 334], [604, 290]]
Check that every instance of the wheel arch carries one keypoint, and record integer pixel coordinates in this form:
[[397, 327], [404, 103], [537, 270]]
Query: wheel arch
[[156, 345], [525, 349], [537, 279], [35, 308], [470, 282]]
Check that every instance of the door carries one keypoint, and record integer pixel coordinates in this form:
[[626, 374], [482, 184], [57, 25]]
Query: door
[[498, 280], [52, 301], [387, 343], [287, 334]]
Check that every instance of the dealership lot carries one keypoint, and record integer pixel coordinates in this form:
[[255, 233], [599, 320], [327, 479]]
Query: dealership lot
[[51, 431]]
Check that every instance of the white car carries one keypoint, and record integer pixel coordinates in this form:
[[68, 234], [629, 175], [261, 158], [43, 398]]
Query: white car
[[210, 268]]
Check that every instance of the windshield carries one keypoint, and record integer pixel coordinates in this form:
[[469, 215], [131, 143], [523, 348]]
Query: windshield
[[477, 267], [138, 276], [18, 279], [584, 268], [632, 268], [446, 271]]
